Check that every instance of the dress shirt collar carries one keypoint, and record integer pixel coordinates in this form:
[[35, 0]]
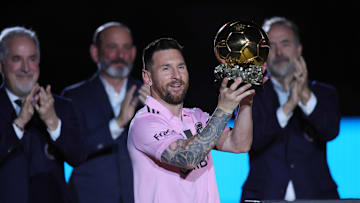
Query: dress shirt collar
[[281, 93], [13, 98], [115, 98]]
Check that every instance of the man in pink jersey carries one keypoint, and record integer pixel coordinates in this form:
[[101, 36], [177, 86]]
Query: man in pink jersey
[[170, 145]]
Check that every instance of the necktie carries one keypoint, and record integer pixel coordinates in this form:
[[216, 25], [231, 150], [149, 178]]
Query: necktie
[[19, 104]]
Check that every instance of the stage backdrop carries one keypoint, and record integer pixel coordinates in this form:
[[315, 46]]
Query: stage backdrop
[[343, 158]]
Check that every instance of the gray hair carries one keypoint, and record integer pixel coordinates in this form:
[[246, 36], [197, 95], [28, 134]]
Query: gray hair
[[96, 37], [276, 20], [16, 31]]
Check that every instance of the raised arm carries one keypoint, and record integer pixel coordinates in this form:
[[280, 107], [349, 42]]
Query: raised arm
[[188, 153], [239, 139]]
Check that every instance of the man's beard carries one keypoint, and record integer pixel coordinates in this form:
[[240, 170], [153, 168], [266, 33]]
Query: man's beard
[[25, 88], [281, 67], [166, 95], [113, 71]]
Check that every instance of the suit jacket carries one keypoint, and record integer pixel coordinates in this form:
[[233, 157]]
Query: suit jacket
[[107, 174], [296, 152], [36, 174]]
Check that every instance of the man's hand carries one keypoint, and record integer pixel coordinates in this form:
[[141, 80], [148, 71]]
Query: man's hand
[[301, 76], [128, 108], [44, 105], [144, 92], [27, 109], [299, 88], [230, 97]]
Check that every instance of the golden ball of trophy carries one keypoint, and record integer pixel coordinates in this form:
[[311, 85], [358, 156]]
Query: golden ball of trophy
[[242, 48]]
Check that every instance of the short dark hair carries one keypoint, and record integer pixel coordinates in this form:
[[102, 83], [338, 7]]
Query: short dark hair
[[96, 37], [277, 20], [158, 45]]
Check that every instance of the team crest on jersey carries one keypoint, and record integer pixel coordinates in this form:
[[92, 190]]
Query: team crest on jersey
[[198, 127]]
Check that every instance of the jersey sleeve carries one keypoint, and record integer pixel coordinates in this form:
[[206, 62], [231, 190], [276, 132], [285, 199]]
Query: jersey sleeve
[[152, 134], [201, 115]]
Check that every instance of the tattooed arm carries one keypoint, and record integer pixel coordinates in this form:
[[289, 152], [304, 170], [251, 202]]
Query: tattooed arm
[[239, 139], [188, 153]]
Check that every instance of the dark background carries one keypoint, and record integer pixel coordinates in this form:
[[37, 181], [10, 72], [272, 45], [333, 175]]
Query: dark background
[[329, 35]]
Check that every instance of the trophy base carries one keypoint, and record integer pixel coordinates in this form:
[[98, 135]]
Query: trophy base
[[251, 74], [256, 87]]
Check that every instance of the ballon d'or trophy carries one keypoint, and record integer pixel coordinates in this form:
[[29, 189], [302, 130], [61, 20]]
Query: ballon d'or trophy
[[241, 48]]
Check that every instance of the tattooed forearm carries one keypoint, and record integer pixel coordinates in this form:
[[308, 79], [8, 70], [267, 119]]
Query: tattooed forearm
[[188, 153]]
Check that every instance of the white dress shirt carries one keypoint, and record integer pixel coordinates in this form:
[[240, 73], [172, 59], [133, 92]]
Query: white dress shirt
[[283, 120], [116, 99], [54, 134]]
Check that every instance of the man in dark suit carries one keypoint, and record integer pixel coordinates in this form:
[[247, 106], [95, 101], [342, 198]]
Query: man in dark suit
[[38, 130], [105, 104], [293, 120]]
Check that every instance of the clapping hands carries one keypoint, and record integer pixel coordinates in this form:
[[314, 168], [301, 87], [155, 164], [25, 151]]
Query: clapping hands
[[41, 101]]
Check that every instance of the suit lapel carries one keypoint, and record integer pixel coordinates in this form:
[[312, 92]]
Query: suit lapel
[[8, 112], [270, 98], [102, 99], [7, 109]]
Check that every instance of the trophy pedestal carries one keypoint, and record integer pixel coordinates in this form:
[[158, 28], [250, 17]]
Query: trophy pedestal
[[251, 74]]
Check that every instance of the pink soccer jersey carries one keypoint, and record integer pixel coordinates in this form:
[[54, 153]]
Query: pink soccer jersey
[[151, 131]]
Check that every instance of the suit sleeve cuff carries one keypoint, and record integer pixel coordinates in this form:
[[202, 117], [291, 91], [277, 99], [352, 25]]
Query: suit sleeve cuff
[[55, 134], [282, 118], [19, 133], [310, 105], [115, 130]]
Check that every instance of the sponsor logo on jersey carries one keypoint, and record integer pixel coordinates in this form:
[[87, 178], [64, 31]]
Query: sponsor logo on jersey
[[203, 163], [161, 135]]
